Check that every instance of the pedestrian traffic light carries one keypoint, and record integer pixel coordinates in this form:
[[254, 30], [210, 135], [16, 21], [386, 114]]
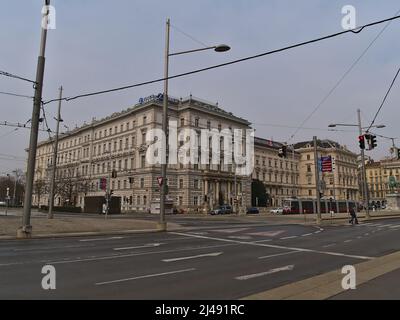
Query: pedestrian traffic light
[[361, 140], [282, 152]]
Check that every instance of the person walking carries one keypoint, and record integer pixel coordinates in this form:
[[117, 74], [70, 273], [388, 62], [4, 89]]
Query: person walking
[[353, 216]]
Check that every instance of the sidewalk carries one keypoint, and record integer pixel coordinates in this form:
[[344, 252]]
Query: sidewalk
[[77, 226], [372, 277]]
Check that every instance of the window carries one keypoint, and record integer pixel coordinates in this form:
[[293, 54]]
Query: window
[[310, 193], [119, 184], [142, 182], [308, 157], [143, 161], [119, 164], [309, 168], [180, 200], [182, 122], [124, 184], [208, 125], [196, 200], [196, 122], [126, 143], [181, 183], [126, 164], [196, 184]]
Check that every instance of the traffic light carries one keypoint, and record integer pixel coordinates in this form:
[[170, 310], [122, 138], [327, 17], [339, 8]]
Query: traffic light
[[361, 140], [103, 183], [373, 144], [282, 152]]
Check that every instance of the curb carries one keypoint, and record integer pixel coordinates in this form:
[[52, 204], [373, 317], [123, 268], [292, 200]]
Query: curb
[[90, 233]]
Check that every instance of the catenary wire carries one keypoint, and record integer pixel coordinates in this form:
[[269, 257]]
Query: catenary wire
[[226, 63]]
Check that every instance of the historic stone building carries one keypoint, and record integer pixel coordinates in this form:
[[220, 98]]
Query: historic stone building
[[118, 142], [280, 175], [378, 175], [341, 183]]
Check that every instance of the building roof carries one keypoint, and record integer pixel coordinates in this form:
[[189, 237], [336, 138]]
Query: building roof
[[183, 103]]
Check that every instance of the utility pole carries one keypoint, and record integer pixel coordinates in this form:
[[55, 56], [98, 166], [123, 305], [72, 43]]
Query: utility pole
[[15, 187], [162, 224], [26, 230], [55, 152], [317, 186], [108, 192], [363, 171]]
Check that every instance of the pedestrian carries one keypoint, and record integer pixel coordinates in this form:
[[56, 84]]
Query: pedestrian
[[353, 216], [104, 208]]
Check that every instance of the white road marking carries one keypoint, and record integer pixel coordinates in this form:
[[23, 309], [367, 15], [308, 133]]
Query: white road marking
[[50, 248], [256, 275], [277, 255], [240, 237], [233, 230], [264, 240], [359, 237], [329, 245], [291, 237], [366, 234], [346, 241], [149, 245], [145, 276], [306, 235], [277, 247], [118, 256], [267, 233], [213, 254], [317, 231], [100, 239], [394, 226]]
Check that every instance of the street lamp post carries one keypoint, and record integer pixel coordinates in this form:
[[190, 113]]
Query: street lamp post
[[219, 48], [363, 171]]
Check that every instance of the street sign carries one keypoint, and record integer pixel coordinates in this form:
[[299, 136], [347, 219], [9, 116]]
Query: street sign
[[160, 181]]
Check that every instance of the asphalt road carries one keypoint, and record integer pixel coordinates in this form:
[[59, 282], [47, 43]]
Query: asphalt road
[[208, 260]]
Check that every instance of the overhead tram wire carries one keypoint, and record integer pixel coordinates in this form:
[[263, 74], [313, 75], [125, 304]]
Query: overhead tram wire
[[16, 95], [10, 75], [355, 31], [384, 100], [330, 92]]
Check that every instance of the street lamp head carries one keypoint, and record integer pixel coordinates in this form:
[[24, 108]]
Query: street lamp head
[[332, 126], [381, 126], [222, 48]]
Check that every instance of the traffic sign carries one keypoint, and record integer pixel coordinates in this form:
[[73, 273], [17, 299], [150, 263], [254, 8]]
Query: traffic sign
[[160, 181]]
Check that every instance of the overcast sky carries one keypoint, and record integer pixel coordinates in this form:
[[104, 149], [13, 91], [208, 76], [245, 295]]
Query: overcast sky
[[102, 44]]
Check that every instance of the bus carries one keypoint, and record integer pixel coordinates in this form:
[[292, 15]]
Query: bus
[[328, 205]]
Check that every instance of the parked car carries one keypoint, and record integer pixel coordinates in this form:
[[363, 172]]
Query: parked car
[[252, 211], [225, 209], [276, 210]]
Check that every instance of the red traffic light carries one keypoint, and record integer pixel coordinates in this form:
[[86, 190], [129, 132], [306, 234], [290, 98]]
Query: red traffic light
[[361, 140]]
